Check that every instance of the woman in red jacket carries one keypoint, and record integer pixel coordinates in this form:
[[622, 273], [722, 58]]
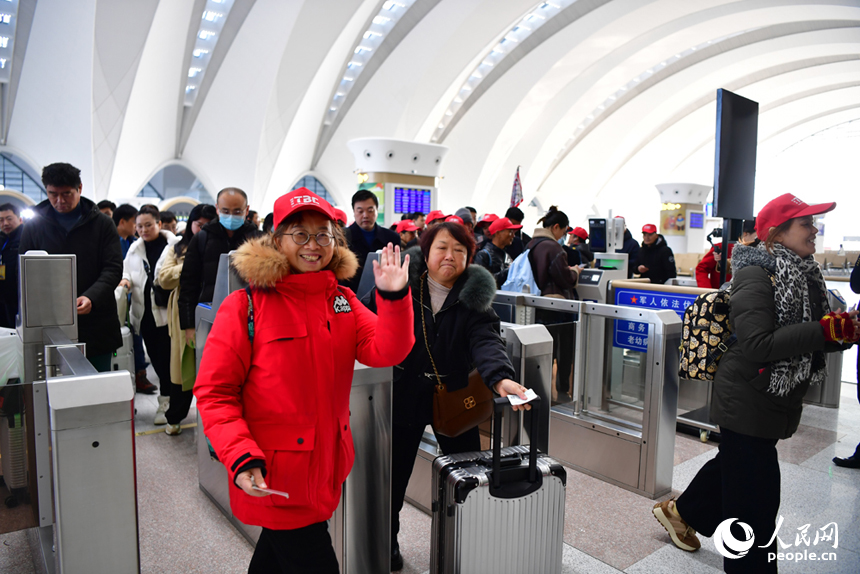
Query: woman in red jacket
[[274, 381]]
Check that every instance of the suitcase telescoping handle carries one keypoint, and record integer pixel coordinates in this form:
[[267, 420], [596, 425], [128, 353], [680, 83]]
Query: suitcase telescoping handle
[[499, 405]]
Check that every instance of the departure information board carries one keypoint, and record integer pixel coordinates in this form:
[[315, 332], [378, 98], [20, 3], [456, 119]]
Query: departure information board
[[411, 199]]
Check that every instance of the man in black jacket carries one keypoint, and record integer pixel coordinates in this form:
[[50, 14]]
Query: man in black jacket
[[10, 223], [492, 256], [656, 260], [515, 215], [365, 236], [68, 223], [228, 232]]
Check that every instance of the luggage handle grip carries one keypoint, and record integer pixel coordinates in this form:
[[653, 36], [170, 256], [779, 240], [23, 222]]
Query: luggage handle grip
[[499, 405]]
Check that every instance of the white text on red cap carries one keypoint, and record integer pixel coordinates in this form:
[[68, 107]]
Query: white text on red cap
[[302, 199]]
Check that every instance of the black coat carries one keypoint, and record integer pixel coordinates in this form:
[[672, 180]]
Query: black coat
[[659, 260], [741, 401], [9, 285], [631, 248], [200, 270], [492, 259], [358, 244], [518, 245], [578, 254], [95, 242], [463, 335]]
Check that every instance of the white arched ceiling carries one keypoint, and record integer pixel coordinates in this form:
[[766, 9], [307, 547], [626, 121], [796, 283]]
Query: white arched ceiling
[[108, 97]]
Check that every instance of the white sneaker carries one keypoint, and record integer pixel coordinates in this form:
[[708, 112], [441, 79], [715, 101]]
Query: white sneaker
[[173, 430], [160, 417]]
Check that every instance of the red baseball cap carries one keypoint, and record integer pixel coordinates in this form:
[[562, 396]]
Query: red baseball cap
[[435, 214], [406, 225], [501, 225], [340, 216], [580, 232], [783, 208], [301, 199], [454, 219], [488, 218], [649, 228]]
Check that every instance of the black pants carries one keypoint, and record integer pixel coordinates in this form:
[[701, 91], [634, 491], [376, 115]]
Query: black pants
[[405, 441], [742, 482], [180, 404], [563, 331], [157, 341], [305, 550]]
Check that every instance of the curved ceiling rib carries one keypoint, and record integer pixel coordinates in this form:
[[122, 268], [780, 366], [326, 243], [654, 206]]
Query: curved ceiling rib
[[739, 84], [695, 55], [553, 25], [407, 21]]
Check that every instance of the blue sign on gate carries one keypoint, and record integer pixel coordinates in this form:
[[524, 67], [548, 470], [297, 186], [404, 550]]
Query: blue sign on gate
[[633, 335]]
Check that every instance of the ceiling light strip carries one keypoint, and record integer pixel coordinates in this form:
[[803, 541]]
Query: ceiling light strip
[[524, 27], [211, 24], [380, 26]]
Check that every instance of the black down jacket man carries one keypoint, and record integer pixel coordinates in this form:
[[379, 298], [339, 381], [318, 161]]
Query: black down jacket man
[[93, 239], [197, 282], [659, 260]]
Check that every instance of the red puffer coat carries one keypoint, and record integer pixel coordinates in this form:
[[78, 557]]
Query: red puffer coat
[[286, 400]]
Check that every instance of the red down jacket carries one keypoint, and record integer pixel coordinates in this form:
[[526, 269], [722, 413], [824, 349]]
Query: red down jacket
[[286, 400]]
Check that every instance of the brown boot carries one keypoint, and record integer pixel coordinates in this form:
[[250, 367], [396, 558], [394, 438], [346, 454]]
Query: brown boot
[[142, 384]]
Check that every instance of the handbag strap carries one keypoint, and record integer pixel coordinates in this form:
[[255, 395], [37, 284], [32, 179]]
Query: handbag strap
[[440, 387]]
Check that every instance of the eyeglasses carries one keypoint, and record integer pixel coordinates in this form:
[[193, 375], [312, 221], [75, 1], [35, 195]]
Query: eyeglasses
[[302, 237]]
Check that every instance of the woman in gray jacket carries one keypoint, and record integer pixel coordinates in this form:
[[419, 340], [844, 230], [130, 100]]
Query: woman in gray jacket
[[783, 323]]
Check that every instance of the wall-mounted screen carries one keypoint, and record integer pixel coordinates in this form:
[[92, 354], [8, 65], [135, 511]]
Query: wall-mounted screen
[[697, 220], [410, 199]]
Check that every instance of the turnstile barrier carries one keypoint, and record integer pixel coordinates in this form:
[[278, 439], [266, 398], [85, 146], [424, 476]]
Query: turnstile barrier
[[79, 433], [618, 423]]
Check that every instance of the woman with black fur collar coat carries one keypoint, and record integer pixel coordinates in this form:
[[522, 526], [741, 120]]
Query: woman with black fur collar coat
[[462, 333]]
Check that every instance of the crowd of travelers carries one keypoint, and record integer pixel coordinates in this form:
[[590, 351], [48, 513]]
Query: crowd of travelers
[[274, 380]]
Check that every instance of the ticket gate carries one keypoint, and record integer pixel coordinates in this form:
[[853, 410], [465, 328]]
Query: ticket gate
[[618, 423], [79, 501], [361, 525]]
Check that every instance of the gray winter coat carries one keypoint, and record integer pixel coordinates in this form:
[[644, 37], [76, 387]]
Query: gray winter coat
[[741, 401]]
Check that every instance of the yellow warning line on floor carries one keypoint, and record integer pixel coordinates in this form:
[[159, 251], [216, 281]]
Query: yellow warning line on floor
[[154, 431]]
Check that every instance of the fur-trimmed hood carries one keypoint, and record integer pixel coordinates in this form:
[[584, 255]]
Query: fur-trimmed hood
[[477, 286], [747, 255], [260, 263]]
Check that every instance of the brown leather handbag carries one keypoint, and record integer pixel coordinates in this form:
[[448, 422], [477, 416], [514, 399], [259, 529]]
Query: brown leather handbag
[[455, 412]]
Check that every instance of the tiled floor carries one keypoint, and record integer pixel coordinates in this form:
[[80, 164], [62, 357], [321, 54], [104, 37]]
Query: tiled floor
[[607, 529]]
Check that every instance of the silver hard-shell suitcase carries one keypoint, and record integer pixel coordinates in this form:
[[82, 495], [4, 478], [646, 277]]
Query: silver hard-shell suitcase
[[498, 511]]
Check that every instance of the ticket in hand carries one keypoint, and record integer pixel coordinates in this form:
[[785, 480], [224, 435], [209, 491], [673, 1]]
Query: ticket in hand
[[270, 491], [530, 396]]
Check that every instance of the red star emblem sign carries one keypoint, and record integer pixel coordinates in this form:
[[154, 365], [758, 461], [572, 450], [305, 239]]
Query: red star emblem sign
[[633, 299]]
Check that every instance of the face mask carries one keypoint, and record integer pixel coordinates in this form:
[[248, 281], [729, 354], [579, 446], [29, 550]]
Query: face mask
[[561, 241], [231, 222]]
